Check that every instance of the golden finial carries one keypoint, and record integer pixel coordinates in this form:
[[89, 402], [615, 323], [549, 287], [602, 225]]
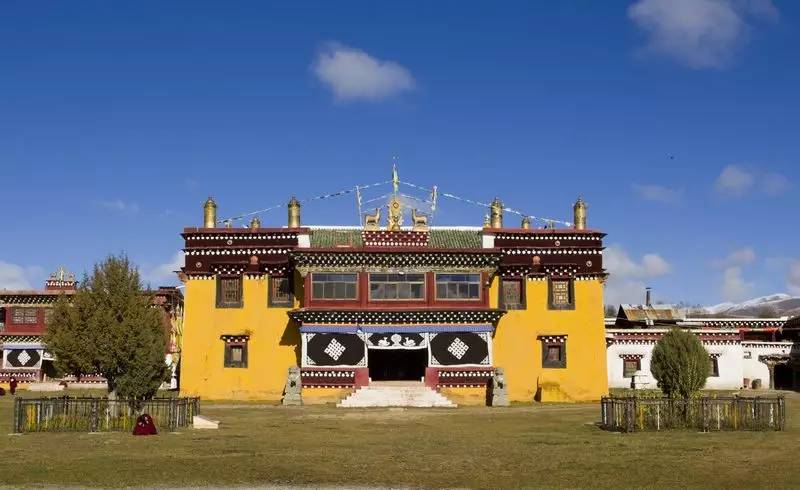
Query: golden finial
[[486, 221], [395, 214], [255, 223], [210, 213], [526, 223], [579, 214], [496, 213], [294, 213]]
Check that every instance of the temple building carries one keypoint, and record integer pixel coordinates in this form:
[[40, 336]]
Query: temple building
[[742, 352], [23, 320], [439, 308]]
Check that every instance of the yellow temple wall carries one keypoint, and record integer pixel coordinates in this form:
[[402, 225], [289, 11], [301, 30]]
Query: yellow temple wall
[[273, 346], [518, 350]]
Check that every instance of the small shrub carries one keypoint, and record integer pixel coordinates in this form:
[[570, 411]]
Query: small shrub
[[680, 364]]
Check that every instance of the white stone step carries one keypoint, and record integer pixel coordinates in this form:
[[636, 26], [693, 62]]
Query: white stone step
[[395, 395]]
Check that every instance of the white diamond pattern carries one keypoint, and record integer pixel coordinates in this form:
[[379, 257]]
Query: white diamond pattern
[[458, 348], [334, 349], [24, 358]]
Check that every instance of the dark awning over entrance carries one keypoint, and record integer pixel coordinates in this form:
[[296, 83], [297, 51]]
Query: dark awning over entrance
[[394, 328]]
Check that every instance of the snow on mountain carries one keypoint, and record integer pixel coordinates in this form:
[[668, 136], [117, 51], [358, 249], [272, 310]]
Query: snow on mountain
[[779, 304]]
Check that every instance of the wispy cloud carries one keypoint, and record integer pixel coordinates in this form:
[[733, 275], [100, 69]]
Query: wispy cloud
[[738, 181], [658, 193], [118, 205], [626, 275], [163, 274], [737, 258], [13, 276], [352, 74], [699, 33], [793, 278], [734, 286]]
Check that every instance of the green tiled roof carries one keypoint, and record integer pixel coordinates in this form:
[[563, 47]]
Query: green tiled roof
[[439, 238]]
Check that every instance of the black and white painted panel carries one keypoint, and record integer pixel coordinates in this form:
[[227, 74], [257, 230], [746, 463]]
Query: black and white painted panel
[[334, 349], [22, 357], [460, 349]]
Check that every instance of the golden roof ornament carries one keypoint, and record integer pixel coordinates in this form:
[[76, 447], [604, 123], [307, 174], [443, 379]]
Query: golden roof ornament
[[210, 213], [487, 223], [395, 214], [496, 209], [372, 222], [526, 223], [294, 213], [61, 274], [255, 223], [579, 214]]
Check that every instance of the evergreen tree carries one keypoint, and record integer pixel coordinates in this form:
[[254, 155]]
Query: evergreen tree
[[112, 329], [680, 363]]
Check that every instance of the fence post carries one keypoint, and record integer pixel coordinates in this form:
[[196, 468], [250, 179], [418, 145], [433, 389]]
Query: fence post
[[17, 414], [630, 414], [93, 422], [173, 414]]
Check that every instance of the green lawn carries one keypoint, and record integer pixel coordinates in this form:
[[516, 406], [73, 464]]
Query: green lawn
[[542, 445]]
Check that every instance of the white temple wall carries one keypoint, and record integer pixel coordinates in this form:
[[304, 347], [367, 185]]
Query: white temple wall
[[729, 361], [755, 369]]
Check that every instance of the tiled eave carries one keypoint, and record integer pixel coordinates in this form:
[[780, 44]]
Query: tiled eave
[[396, 317], [31, 298], [351, 260], [650, 336]]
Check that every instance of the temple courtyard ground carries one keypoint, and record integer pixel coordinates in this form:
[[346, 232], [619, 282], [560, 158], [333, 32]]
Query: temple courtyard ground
[[530, 446]]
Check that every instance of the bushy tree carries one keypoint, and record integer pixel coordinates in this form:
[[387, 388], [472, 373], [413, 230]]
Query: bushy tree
[[113, 330], [680, 363]]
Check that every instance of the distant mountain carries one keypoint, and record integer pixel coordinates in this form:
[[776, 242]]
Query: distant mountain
[[779, 304]]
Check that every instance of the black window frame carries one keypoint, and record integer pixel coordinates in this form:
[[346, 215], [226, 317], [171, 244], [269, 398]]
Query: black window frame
[[570, 290], [280, 302], [228, 362], [220, 303], [627, 360], [330, 280], [547, 363], [522, 305], [713, 366], [469, 283], [388, 281]]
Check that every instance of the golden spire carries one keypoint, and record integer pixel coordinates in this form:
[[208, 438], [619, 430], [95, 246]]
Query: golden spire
[[496, 213], [395, 179], [210, 213], [255, 223], [294, 213], [579, 214]]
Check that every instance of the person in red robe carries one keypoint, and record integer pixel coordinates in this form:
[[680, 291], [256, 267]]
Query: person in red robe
[[144, 426], [12, 385]]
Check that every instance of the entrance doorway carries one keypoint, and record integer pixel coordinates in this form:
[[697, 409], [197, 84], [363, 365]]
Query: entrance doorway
[[397, 364]]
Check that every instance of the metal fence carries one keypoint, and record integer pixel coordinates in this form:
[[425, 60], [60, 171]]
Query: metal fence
[[631, 414], [79, 414]]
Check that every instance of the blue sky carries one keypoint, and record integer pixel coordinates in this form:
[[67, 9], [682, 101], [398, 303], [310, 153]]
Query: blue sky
[[676, 120]]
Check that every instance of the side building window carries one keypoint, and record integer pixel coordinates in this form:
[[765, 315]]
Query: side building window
[[458, 286], [393, 287], [512, 295], [235, 350], [334, 286], [554, 351], [631, 364], [561, 294], [229, 292], [280, 292], [713, 366]]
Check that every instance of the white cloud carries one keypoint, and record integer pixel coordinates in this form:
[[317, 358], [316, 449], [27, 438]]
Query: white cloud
[[698, 33], [658, 193], [13, 276], [353, 74], [737, 258], [793, 278], [774, 184], [734, 181], [119, 206], [625, 281], [163, 274], [734, 287]]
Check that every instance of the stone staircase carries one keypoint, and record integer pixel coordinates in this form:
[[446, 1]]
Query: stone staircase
[[395, 394]]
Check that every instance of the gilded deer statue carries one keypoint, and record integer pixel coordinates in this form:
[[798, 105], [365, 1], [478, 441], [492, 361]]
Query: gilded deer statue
[[373, 221], [420, 221]]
